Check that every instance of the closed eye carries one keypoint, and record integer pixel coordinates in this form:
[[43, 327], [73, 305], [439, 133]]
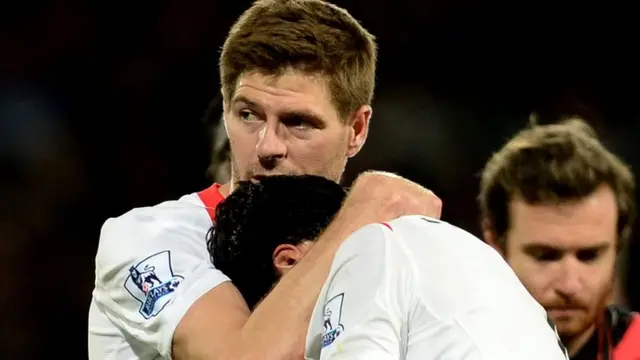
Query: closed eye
[[544, 253], [591, 254]]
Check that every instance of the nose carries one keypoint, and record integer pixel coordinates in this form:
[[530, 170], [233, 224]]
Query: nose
[[568, 281], [271, 146]]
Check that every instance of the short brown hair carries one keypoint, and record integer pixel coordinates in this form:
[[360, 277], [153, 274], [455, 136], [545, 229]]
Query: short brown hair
[[554, 163], [311, 36]]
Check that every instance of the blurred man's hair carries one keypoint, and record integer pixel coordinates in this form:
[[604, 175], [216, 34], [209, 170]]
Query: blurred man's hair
[[546, 164], [311, 36], [219, 169], [257, 217]]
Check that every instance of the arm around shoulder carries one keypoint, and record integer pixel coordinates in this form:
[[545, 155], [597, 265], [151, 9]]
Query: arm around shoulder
[[149, 273], [158, 286]]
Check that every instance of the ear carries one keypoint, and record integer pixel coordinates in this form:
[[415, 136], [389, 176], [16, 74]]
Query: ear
[[359, 129], [285, 256], [490, 236]]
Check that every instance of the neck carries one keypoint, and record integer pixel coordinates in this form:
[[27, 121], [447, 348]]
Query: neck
[[577, 342], [225, 189]]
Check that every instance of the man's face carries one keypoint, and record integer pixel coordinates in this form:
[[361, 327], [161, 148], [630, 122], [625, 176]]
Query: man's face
[[565, 255], [288, 125]]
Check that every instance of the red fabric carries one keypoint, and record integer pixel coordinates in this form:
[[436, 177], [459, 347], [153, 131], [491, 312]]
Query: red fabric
[[211, 197], [629, 347]]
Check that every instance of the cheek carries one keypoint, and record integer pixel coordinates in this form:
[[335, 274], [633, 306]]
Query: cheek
[[600, 275], [319, 150], [242, 146]]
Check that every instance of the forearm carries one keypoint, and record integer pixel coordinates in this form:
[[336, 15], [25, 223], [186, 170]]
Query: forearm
[[277, 328], [217, 328]]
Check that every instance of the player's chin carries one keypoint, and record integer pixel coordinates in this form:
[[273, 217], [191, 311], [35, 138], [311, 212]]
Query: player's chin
[[573, 325], [254, 178]]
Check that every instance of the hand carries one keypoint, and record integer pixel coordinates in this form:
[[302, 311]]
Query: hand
[[377, 197], [384, 196]]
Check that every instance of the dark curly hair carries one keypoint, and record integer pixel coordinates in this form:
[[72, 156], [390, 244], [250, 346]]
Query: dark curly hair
[[257, 217]]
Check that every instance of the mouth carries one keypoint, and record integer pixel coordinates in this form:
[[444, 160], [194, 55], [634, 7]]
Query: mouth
[[564, 312]]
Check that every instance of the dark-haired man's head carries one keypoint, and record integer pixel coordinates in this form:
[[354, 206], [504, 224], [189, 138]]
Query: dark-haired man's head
[[263, 228]]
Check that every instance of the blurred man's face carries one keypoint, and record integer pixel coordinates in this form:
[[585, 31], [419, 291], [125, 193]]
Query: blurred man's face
[[565, 255], [289, 125]]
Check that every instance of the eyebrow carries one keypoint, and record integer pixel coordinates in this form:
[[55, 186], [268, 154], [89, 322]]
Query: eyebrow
[[286, 114]]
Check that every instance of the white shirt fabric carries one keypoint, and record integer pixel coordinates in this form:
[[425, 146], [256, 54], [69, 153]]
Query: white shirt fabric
[[421, 289], [152, 264]]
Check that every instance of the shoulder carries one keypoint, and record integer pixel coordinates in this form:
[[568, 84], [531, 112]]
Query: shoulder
[[468, 270], [422, 233], [370, 240], [384, 238], [414, 225], [186, 215], [172, 226]]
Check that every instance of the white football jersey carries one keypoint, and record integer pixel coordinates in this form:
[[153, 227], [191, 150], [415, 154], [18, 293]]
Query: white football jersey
[[152, 264], [421, 289]]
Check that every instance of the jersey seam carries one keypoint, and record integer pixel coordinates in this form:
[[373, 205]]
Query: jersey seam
[[469, 337], [415, 274]]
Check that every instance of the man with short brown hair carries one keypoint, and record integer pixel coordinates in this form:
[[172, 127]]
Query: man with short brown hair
[[559, 207], [297, 81], [299, 75], [310, 38]]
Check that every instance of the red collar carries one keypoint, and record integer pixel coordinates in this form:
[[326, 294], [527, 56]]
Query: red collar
[[211, 197]]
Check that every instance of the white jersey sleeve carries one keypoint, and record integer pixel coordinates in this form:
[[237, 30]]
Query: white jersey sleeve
[[361, 310], [152, 264]]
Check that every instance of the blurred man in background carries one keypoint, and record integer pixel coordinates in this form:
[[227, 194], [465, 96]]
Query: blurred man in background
[[413, 288], [219, 170], [288, 109], [559, 207]]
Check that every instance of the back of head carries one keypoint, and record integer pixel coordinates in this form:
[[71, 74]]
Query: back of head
[[257, 217], [311, 36], [547, 164]]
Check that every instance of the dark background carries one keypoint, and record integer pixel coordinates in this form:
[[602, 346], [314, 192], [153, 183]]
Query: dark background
[[101, 107]]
